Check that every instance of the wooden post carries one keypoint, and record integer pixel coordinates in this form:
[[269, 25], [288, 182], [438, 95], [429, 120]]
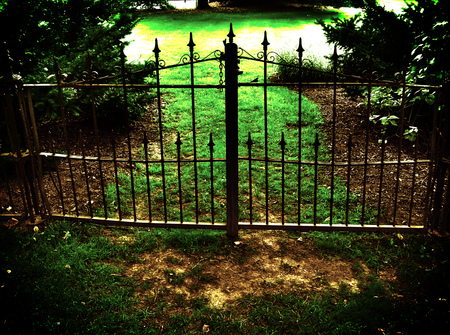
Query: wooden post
[[231, 110]]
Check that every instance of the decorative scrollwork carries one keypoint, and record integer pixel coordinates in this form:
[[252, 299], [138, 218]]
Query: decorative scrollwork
[[195, 57], [242, 51], [260, 55], [272, 56], [309, 63], [117, 70], [374, 75], [161, 63], [399, 78], [217, 55]]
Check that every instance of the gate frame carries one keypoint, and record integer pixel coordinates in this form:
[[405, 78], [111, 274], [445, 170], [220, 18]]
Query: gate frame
[[33, 206]]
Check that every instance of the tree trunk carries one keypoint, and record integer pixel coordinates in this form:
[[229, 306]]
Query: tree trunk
[[203, 4]]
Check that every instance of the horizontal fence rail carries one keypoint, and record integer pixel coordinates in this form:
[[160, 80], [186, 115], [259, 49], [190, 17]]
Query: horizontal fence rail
[[262, 180]]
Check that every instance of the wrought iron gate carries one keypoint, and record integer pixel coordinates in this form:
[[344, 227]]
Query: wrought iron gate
[[37, 170]]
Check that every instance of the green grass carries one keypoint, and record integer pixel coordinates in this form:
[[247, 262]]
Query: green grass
[[283, 27], [75, 279]]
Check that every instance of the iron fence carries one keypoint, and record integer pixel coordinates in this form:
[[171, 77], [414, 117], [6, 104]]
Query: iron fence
[[147, 179]]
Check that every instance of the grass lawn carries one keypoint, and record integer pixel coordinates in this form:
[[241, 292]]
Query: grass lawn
[[88, 279]]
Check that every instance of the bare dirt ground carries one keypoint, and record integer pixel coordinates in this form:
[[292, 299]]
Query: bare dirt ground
[[259, 263]]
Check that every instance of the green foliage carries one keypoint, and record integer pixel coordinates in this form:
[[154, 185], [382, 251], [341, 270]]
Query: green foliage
[[375, 33], [314, 69], [68, 30], [334, 3], [413, 43], [428, 23]]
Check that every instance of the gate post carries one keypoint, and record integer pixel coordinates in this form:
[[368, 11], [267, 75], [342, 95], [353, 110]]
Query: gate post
[[231, 122]]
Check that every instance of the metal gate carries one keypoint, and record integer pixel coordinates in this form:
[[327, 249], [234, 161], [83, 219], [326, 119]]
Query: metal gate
[[266, 189]]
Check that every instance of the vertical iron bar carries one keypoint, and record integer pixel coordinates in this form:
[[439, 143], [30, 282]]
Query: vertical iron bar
[[72, 182], [380, 190], [83, 153], [194, 135], [283, 148], [102, 181], [333, 140], [399, 154], [366, 145], [349, 170], [250, 181], [231, 121], [431, 165], [265, 45], [60, 99], [133, 194], [49, 169], [55, 162], [124, 84], [316, 157], [66, 135], [117, 178], [179, 143], [156, 51], [211, 153], [413, 183], [33, 177], [90, 77], [147, 178], [299, 172], [33, 120], [37, 148]]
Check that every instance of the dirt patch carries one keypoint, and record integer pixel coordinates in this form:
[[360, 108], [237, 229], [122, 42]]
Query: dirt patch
[[259, 263]]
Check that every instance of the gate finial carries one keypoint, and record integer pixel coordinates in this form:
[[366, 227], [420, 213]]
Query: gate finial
[[300, 49], [191, 43], [231, 33], [265, 42], [156, 49], [334, 57]]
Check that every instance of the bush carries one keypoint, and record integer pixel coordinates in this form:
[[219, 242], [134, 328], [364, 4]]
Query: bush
[[413, 43], [68, 30]]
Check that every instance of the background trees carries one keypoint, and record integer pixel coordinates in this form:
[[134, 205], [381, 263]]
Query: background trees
[[36, 31], [414, 43]]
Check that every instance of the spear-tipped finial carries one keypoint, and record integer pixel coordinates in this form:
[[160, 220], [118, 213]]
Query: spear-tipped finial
[[156, 49], [265, 42], [145, 140], [211, 143], [231, 34], [191, 43], [316, 142], [249, 141], [334, 57], [282, 143], [300, 48], [178, 141]]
